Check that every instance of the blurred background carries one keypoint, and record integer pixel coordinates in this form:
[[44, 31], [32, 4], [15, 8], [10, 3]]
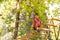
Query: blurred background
[[16, 19]]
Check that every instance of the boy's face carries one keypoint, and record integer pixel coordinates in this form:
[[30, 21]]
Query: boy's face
[[36, 16]]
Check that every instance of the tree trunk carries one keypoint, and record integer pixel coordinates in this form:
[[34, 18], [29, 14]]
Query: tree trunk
[[16, 23]]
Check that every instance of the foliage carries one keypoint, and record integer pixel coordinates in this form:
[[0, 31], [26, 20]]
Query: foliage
[[8, 14], [1, 1], [27, 9]]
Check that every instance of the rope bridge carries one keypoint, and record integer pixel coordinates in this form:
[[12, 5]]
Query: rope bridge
[[27, 36]]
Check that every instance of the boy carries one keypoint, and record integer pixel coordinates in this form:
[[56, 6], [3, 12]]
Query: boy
[[36, 22]]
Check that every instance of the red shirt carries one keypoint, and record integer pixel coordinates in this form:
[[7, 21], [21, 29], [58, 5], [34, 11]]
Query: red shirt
[[37, 23]]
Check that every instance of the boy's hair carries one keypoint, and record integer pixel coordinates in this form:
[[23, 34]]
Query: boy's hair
[[36, 13]]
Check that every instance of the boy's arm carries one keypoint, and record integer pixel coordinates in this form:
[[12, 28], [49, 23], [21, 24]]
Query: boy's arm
[[41, 24]]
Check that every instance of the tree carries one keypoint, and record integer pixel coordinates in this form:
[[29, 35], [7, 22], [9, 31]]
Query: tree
[[17, 22]]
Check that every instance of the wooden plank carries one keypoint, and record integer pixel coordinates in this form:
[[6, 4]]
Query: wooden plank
[[45, 29], [55, 19], [51, 25]]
